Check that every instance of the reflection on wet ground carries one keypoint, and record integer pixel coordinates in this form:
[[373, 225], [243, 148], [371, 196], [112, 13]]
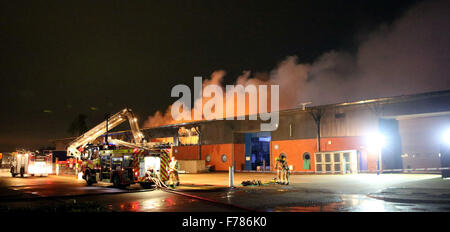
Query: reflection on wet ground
[[162, 201], [299, 200], [68, 193], [155, 201], [148, 205], [347, 203]]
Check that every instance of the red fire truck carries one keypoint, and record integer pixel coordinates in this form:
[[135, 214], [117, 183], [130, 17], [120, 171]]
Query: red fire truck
[[122, 163], [123, 167], [31, 163]]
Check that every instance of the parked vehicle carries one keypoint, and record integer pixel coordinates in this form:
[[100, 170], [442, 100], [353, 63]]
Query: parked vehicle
[[123, 167], [122, 163], [31, 163]]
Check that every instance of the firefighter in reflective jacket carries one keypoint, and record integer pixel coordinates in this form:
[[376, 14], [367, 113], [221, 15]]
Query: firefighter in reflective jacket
[[279, 168], [285, 171], [174, 180]]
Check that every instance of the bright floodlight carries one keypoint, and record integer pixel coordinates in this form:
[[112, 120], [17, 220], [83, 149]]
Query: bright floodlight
[[376, 140], [446, 136]]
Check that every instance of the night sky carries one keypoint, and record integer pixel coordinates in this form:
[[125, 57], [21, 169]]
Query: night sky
[[63, 58]]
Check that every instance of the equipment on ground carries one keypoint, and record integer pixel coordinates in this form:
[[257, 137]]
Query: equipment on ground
[[252, 182]]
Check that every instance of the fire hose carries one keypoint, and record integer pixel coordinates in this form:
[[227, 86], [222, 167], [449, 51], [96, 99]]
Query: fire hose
[[158, 182], [156, 179]]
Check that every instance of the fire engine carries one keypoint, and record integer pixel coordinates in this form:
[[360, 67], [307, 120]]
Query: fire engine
[[31, 163], [124, 167], [122, 163]]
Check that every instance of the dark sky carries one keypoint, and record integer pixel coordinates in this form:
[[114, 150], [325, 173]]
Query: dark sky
[[62, 58]]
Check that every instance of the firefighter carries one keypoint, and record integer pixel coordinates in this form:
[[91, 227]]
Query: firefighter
[[284, 169], [76, 167], [278, 167], [174, 180]]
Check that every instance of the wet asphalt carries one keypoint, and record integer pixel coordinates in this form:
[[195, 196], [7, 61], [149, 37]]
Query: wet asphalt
[[66, 193]]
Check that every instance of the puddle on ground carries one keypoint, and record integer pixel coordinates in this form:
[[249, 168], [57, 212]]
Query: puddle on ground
[[350, 203]]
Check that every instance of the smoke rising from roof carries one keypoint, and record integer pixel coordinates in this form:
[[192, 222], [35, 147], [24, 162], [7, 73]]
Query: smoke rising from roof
[[409, 56]]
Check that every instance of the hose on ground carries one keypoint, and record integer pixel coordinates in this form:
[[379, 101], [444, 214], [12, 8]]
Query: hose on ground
[[158, 182]]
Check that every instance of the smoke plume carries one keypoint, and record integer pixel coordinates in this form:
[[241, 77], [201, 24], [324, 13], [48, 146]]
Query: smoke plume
[[409, 56]]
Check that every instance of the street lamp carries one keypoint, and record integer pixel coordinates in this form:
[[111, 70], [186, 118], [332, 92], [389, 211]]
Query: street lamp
[[375, 142]]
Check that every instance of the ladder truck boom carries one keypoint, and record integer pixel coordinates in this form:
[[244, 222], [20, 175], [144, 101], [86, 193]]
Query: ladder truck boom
[[100, 129], [145, 163]]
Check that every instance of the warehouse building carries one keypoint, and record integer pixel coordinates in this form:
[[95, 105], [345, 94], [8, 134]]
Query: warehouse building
[[401, 132], [339, 138]]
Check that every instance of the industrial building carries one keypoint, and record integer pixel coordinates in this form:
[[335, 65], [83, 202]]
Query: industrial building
[[402, 132]]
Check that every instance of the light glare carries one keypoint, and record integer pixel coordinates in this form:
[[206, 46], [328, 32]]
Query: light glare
[[376, 141], [446, 136]]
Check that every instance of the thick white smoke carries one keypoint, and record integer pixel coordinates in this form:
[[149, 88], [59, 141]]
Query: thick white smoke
[[411, 55]]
